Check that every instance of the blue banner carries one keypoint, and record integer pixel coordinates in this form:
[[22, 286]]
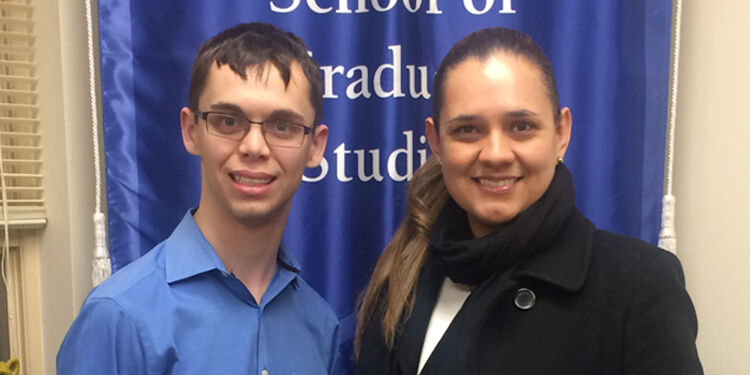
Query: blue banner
[[377, 58]]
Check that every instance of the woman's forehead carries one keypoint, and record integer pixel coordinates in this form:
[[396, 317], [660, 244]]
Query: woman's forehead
[[498, 64], [500, 75]]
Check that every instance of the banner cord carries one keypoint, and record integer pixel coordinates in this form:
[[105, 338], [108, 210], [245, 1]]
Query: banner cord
[[668, 236], [101, 263]]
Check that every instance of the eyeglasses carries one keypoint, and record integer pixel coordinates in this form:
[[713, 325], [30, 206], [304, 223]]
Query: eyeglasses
[[276, 132]]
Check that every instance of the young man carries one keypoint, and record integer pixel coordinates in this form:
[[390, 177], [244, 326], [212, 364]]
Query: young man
[[221, 295]]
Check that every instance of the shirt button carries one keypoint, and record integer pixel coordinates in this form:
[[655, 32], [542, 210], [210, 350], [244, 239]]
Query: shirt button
[[264, 372], [525, 299]]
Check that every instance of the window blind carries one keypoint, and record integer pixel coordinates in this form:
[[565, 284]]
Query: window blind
[[20, 151]]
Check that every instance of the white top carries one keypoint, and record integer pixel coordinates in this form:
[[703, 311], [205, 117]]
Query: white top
[[450, 300]]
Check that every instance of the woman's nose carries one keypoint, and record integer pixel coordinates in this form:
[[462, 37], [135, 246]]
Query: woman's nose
[[496, 149]]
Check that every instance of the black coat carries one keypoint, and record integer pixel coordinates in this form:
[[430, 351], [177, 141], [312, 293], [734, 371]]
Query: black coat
[[594, 302]]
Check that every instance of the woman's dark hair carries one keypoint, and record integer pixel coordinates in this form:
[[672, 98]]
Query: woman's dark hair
[[481, 45], [251, 45]]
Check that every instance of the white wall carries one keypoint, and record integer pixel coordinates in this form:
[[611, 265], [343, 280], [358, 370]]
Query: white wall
[[67, 241], [712, 183]]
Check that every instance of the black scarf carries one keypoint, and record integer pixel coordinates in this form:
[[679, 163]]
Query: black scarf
[[488, 263], [469, 260]]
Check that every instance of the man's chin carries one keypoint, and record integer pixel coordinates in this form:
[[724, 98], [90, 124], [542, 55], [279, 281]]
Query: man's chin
[[260, 213]]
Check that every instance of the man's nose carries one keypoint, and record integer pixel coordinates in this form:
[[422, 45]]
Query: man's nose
[[254, 142]]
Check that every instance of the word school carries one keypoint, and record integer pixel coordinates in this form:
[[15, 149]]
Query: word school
[[365, 6]]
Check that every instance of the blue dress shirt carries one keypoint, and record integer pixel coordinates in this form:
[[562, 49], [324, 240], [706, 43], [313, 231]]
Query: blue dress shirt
[[176, 310]]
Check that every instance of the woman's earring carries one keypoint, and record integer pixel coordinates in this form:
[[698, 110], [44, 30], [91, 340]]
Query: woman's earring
[[559, 160]]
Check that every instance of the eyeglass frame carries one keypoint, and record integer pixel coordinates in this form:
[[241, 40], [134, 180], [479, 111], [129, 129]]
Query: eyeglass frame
[[204, 115]]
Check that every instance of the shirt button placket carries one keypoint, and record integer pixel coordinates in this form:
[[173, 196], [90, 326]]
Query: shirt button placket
[[262, 353]]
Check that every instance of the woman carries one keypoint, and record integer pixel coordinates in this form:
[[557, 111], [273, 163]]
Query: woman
[[494, 270]]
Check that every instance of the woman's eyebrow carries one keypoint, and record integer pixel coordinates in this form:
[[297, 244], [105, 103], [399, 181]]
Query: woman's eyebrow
[[521, 113], [463, 118]]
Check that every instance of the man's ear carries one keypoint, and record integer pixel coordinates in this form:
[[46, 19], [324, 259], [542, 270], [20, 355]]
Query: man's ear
[[189, 131], [562, 130], [433, 137], [318, 148]]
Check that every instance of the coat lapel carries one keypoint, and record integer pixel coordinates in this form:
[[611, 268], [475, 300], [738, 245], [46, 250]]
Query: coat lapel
[[428, 287], [566, 262]]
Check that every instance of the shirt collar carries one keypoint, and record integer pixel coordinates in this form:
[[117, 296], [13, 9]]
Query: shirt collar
[[287, 259], [566, 262], [188, 253]]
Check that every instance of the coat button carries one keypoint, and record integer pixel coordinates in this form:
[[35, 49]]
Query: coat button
[[525, 299]]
